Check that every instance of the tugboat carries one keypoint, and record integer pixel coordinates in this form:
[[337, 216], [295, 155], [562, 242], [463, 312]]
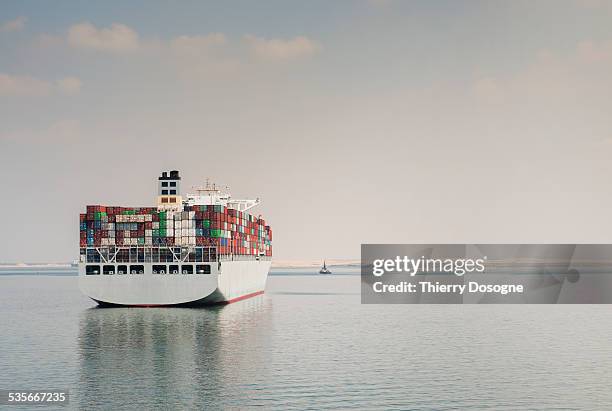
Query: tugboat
[[324, 269]]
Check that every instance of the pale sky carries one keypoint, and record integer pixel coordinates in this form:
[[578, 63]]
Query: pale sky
[[353, 121]]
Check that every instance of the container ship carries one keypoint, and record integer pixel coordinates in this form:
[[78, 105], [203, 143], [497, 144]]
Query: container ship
[[204, 248]]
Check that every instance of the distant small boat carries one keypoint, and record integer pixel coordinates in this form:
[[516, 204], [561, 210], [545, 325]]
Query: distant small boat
[[324, 269]]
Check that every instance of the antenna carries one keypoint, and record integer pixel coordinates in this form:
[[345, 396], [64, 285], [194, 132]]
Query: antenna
[[210, 193]]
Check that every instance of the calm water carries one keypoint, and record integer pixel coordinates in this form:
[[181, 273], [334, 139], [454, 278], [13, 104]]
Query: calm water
[[306, 344]]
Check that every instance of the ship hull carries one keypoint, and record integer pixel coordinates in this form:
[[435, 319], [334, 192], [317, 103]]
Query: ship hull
[[227, 282]]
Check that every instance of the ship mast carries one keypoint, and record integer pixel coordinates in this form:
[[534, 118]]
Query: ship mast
[[211, 194]]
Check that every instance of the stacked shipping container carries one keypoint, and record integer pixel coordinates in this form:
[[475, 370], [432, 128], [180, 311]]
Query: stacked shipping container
[[230, 231]]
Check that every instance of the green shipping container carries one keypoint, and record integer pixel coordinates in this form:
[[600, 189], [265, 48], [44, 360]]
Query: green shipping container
[[206, 223], [215, 233]]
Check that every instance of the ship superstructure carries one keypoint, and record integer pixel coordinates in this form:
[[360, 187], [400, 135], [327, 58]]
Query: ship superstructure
[[199, 249]]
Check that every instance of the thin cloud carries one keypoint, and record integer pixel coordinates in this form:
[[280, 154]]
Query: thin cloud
[[197, 45], [488, 90], [27, 86], [553, 79], [593, 52], [118, 38], [49, 41], [69, 85], [23, 86], [212, 51], [203, 55], [280, 49], [13, 25]]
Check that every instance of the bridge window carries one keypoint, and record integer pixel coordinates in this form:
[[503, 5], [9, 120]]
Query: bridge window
[[173, 192], [93, 256], [137, 269], [164, 192], [92, 270], [108, 269], [174, 269], [122, 269], [172, 183], [165, 184], [187, 269], [203, 269]]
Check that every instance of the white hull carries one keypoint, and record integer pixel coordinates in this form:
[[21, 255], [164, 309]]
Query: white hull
[[227, 282]]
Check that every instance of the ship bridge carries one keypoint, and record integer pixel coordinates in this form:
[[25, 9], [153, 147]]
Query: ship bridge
[[211, 194]]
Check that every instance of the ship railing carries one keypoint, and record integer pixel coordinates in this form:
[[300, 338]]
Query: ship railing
[[148, 254], [160, 254]]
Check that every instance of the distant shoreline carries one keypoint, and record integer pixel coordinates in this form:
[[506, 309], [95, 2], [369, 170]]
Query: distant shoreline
[[39, 265], [313, 263]]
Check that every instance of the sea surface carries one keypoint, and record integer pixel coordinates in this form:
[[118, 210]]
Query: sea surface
[[307, 343]]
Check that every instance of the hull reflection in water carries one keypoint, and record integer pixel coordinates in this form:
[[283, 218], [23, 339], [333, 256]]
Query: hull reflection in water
[[168, 358]]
